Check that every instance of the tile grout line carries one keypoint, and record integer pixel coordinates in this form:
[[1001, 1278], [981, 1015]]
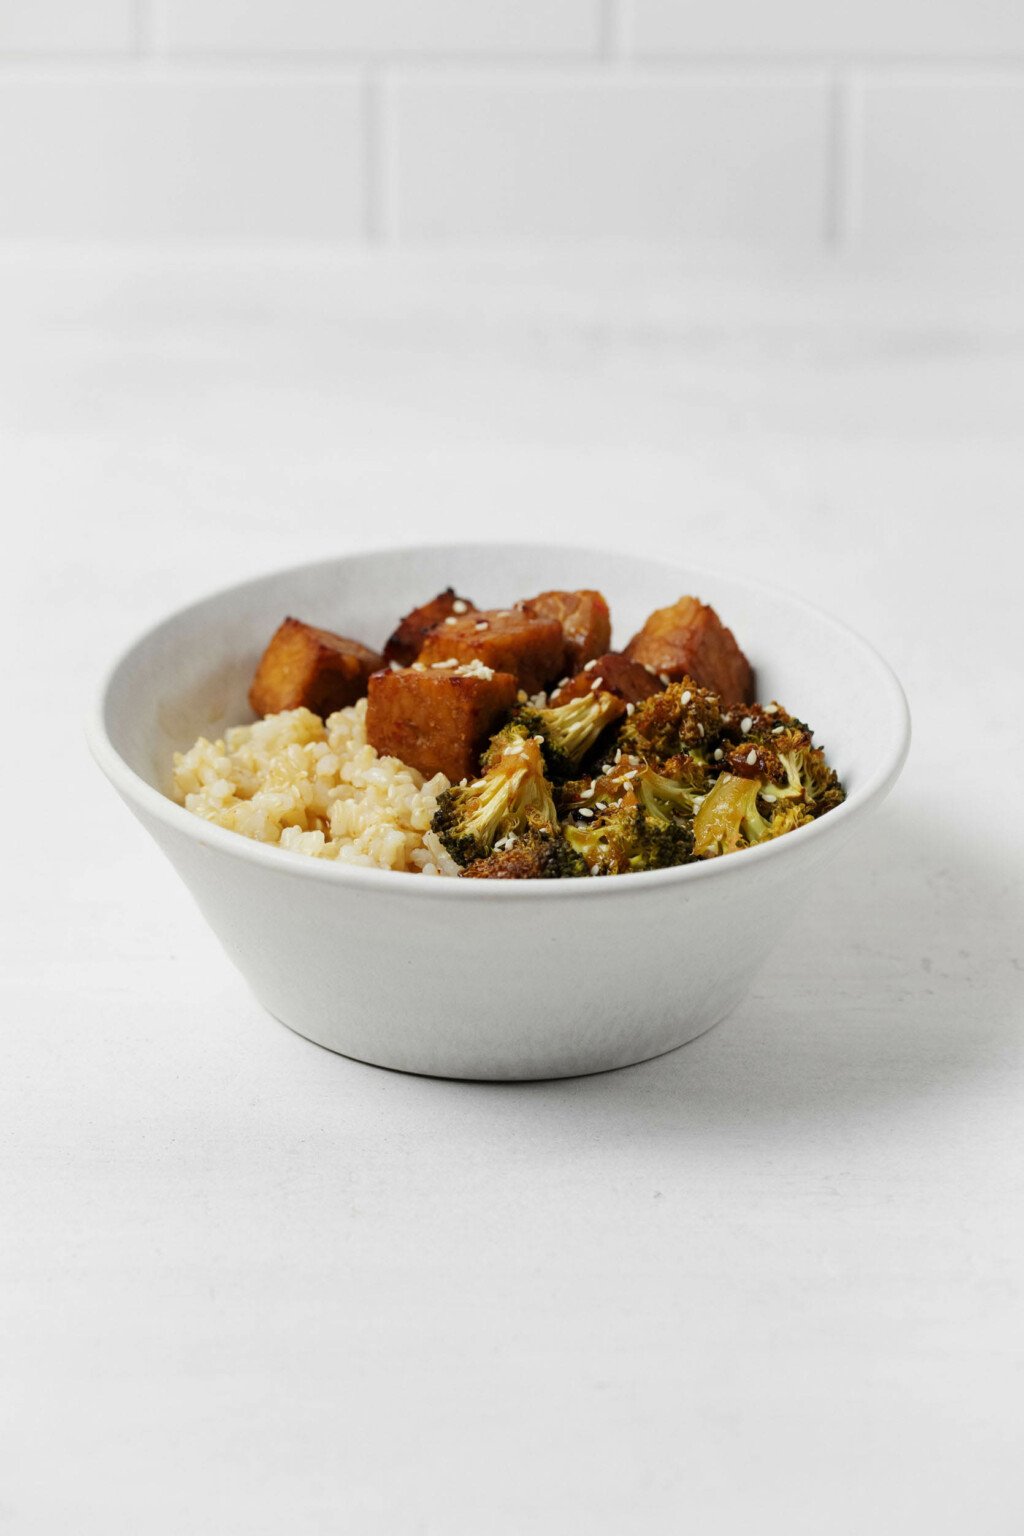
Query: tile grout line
[[148, 43]]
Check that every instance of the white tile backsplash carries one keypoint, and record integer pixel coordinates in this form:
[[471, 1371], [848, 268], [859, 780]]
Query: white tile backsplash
[[920, 28], [66, 26], [567, 156], [152, 156], [512, 120], [389, 27], [942, 157]]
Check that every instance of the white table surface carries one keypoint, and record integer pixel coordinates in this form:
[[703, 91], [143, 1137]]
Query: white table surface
[[769, 1282]]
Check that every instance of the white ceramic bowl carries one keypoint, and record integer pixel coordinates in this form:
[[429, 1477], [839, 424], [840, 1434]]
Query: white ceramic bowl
[[477, 979]]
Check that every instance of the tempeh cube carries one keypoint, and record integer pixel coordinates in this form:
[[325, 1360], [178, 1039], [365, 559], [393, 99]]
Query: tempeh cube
[[690, 640], [437, 719], [503, 638], [404, 644], [585, 620], [306, 666], [612, 673]]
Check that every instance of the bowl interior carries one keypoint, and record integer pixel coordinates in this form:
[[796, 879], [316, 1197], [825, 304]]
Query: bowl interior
[[188, 676]]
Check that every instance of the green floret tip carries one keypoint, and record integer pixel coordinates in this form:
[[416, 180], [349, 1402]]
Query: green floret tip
[[568, 731], [500, 742], [536, 854], [807, 774], [624, 839], [510, 796], [683, 719], [760, 722]]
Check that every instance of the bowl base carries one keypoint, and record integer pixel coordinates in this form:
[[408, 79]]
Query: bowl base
[[477, 1073]]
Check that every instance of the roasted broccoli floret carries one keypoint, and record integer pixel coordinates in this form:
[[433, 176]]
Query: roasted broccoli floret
[[739, 812], [784, 757], [570, 730], [758, 722], [681, 781], [674, 793], [510, 736], [536, 855], [670, 791], [752, 759], [589, 793], [511, 796], [624, 839], [807, 773], [683, 719]]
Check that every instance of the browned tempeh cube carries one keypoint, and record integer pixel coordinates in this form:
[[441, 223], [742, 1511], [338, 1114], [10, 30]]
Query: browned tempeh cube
[[303, 665], [690, 640], [502, 638], [404, 644], [585, 620], [437, 720], [614, 673]]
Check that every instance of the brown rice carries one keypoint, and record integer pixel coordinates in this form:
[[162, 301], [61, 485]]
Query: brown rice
[[316, 787]]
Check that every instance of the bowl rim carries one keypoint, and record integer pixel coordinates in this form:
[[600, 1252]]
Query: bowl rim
[[282, 861]]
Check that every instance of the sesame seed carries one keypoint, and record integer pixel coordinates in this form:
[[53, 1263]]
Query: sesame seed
[[450, 620], [588, 794], [590, 665], [585, 811], [635, 760], [752, 757], [687, 696], [503, 613], [618, 755], [771, 709], [539, 739], [771, 799], [522, 696], [663, 677], [630, 709], [439, 666], [601, 805], [778, 730], [395, 666], [460, 605], [745, 724], [631, 774], [718, 754], [606, 767], [563, 684], [598, 682], [700, 729], [482, 624]]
